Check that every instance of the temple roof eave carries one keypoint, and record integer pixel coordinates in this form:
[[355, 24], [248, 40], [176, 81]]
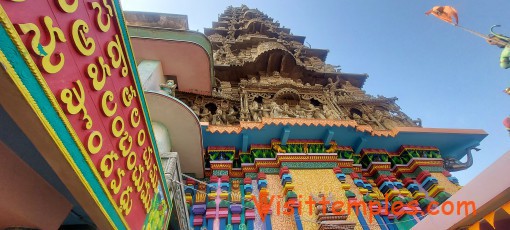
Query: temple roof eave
[[160, 20], [177, 116], [163, 34], [451, 142]]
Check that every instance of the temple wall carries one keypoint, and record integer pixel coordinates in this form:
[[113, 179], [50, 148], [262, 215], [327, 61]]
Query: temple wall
[[442, 180], [279, 221], [359, 197], [308, 182]]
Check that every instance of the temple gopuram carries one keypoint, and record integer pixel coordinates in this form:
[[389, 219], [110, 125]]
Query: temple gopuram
[[117, 119], [280, 122]]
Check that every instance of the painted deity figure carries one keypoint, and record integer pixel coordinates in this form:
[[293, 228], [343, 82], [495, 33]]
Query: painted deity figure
[[236, 192], [200, 195], [503, 42], [169, 87]]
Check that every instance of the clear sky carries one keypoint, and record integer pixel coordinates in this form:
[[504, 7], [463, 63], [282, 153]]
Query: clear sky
[[441, 74]]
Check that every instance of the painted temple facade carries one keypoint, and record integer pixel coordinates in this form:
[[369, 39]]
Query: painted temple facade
[[253, 130], [280, 126], [245, 127]]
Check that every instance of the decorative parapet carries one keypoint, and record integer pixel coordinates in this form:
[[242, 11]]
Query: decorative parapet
[[260, 163], [375, 167], [415, 163], [248, 125], [303, 153], [221, 153]]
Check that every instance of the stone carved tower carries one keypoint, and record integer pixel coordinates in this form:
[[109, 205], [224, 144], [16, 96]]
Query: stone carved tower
[[263, 71]]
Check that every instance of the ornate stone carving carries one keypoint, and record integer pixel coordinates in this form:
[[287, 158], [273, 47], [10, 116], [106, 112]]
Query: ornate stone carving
[[206, 115], [216, 38], [263, 71], [223, 55], [451, 164]]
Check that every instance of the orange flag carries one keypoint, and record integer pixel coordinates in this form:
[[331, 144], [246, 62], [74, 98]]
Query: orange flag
[[490, 218], [506, 207], [475, 226], [445, 13]]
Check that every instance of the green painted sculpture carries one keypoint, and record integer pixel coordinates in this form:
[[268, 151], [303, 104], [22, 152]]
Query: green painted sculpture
[[503, 42]]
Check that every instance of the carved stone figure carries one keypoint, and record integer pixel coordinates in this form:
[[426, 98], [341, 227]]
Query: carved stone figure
[[286, 111], [417, 122], [206, 115], [332, 86], [389, 124], [217, 89], [231, 116], [317, 114], [309, 111], [245, 114], [300, 113], [359, 119], [329, 113], [276, 111], [451, 164], [266, 109], [297, 53], [255, 111], [315, 63], [224, 54], [217, 118], [365, 119], [196, 110], [332, 68]]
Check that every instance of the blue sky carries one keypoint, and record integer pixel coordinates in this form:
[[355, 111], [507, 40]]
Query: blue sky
[[441, 74]]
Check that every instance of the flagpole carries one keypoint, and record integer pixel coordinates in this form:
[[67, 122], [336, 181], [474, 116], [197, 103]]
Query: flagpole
[[471, 31], [478, 34]]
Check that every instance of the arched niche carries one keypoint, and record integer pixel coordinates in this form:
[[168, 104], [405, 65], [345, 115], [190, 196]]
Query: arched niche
[[287, 95]]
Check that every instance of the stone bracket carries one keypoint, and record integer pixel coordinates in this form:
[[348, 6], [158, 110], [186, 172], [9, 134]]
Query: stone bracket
[[359, 144], [245, 142], [328, 137], [285, 135]]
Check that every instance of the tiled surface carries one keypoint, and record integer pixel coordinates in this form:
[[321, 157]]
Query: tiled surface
[[359, 197], [449, 187], [278, 221]]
